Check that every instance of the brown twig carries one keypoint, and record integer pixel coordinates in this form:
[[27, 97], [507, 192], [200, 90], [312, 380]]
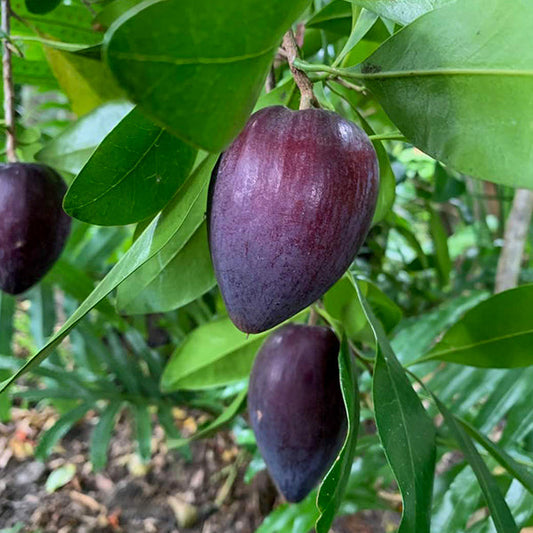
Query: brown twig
[[313, 317], [351, 86], [9, 92], [305, 86], [270, 82]]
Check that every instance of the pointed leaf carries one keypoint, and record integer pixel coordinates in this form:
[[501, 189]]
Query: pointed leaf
[[134, 172], [430, 75], [183, 74]]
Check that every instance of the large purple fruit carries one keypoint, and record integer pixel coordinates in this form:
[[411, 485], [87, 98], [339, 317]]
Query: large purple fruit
[[33, 225], [291, 202], [296, 406]]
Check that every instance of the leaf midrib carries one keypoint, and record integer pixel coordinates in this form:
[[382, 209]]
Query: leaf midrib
[[441, 72], [478, 343], [148, 58], [115, 184]]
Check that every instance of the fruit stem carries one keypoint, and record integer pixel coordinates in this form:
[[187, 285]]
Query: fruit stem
[[391, 136], [9, 93], [308, 98]]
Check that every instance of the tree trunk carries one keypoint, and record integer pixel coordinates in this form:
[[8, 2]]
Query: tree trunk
[[516, 232]]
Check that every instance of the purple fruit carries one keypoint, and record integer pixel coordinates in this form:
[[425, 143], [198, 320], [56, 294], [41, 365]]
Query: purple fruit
[[33, 225], [296, 406], [291, 202]]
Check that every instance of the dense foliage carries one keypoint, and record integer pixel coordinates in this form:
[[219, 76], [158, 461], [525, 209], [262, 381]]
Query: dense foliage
[[132, 103]]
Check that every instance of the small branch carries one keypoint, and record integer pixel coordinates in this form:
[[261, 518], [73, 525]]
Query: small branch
[[392, 136], [516, 231], [305, 86], [9, 92], [270, 82], [348, 85], [313, 317]]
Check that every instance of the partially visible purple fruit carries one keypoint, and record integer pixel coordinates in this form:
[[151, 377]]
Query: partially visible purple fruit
[[296, 406], [33, 225], [290, 204]]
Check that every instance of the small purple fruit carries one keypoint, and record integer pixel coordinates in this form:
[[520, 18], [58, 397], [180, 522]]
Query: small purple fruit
[[33, 225], [296, 407], [290, 204]]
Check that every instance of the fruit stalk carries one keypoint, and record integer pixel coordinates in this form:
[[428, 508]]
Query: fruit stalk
[[304, 84], [9, 93]]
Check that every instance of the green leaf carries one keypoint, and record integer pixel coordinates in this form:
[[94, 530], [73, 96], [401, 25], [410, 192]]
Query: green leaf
[[101, 435], [440, 243], [42, 313], [291, 518], [87, 82], [183, 74], [177, 275], [142, 250], [71, 149], [429, 78], [143, 431], [114, 10], [7, 310], [212, 355], [511, 465], [51, 436], [365, 20], [60, 477], [503, 520], [342, 303], [333, 486], [233, 409], [134, 172], [405, 430], [335, 17], [402, 11], [497, 333], [40, 7]]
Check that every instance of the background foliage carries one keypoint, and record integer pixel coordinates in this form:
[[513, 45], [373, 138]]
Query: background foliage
[[132, 102]]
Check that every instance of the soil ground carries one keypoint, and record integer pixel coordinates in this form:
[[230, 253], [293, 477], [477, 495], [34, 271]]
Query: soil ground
[[169, 495]]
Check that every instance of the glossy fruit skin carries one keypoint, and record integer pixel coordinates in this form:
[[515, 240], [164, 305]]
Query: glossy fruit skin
[[290, 204], [296, 407], [33, 225]]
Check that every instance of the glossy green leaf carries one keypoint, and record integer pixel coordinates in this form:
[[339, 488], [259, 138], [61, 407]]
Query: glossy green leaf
[[183, 75], [134, 172], [212, 355], [114, 10], [143, 249], [71, 149], [503, 520], [233, 409], [60, 477], [101, 435], [333, 486], [41, 6], [365, 20], [429, 78], [405, 430], [402, 11], [497, 333], [177, 275]]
